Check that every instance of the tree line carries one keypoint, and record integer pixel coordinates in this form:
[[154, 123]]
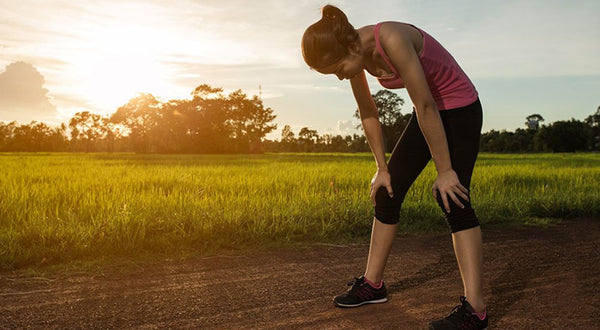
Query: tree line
[[560, 136], [213, 122], [210, 122]]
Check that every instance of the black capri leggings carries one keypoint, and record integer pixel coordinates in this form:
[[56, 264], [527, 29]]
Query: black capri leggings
[[411, 154]]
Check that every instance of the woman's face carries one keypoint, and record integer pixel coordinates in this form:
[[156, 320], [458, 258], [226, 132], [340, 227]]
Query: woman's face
[[346, 68]]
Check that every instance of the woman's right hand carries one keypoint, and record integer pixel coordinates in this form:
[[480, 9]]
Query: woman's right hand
[[381, 179]]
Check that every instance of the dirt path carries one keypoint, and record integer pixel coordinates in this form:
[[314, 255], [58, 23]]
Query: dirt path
[[536, 278]]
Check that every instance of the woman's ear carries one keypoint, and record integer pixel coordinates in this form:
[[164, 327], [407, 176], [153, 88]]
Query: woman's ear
[[354, 48]]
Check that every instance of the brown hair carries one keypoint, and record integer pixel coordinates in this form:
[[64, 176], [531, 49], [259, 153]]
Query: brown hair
[[326, 41]]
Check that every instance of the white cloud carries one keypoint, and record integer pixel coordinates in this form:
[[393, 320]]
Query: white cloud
[[346, 127], [22, 94]]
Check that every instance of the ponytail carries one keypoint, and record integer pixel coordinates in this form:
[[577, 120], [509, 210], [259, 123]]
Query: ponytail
[[327, 41], [342, 29]]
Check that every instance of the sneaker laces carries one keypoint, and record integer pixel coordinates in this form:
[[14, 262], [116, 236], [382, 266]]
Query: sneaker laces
[[459, 314], [355, 283]]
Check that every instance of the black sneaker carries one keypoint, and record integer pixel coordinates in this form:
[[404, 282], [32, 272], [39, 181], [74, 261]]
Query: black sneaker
[[361, 293], [461, 317]]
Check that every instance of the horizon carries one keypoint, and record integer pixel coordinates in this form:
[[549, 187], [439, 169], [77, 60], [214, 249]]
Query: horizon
[[524, 57]]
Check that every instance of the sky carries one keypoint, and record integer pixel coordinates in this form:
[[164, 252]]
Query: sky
[[61, 57]]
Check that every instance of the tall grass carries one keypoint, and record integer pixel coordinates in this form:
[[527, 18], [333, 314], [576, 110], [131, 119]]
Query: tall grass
[[58, 207]]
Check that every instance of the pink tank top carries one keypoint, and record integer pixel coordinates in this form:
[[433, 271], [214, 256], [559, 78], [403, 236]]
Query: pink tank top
[[449, 85]]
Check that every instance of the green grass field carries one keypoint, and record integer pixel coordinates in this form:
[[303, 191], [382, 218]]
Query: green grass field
[[62, 207]]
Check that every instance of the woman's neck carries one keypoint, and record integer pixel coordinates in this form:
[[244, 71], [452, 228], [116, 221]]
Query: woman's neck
[[372, 60]]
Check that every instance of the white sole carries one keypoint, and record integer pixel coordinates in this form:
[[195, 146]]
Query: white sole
[[481, 329], [363, 303]]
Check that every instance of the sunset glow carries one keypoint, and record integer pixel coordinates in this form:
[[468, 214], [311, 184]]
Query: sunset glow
[[125, 61], [95, 56]]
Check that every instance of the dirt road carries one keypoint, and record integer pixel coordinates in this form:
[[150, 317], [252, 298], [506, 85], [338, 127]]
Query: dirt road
[[535, 278]]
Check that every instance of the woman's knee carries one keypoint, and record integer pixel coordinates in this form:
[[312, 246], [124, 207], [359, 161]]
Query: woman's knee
[[387, 209], [459, 218]]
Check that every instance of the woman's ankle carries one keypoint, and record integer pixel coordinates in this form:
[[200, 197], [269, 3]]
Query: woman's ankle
[[477, 305], [374, 282]]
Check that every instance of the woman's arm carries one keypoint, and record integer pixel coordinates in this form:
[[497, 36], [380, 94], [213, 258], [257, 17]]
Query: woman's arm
[[404, 57], [369, 117]]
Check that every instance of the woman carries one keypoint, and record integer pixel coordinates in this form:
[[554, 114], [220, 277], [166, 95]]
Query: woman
[[445, 126]]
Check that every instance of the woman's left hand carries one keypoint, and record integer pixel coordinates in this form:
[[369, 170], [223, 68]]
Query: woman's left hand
[[448, 185]]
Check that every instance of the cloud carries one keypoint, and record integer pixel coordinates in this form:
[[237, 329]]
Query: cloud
[[22, 95], [346, 127]]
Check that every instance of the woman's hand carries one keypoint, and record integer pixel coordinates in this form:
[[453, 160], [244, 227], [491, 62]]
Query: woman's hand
[[448, 185], [381, 179]]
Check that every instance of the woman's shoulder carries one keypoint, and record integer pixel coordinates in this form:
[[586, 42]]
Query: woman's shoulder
[[391, 29], [385, 29], [393, 32], [394, 26], [383, 25]]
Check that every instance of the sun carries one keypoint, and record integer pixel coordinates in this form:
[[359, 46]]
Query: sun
[[134, 48], [117, 63]]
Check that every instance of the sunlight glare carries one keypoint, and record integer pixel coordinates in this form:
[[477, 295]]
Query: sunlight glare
[[139, 48], [125, 62]]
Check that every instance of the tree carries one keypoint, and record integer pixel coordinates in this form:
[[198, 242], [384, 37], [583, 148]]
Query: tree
[[308, 135], [86, 130], [307, 138], [338, 144], [288, 139], [594, 119], [594, 122], [563, 136], [287, 135], [533, 121], [259, 123], [113, 133], [250, 121], [180, 126], [357, 143], [7, 133], [204, 91], [22, 138], [389, 106], [209, 115], [46, 138], [34, 137], [141, 115]]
